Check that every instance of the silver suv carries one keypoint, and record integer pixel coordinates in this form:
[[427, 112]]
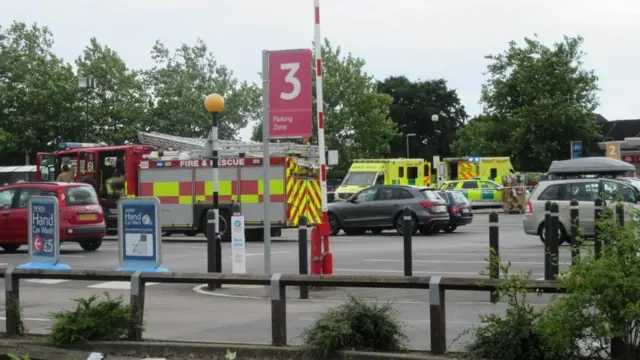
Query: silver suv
[[562, 191]]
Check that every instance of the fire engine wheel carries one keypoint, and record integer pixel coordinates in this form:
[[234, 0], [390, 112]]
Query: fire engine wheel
[[191, 233], [10, 248], [90, 244]]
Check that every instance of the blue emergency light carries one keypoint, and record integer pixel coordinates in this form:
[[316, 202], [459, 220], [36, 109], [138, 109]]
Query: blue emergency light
[[77, 145]]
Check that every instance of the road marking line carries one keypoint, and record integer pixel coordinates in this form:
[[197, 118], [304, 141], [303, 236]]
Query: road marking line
[[28, 319], [487, 254], [116, 285], [4, 264], [427, 321], [460, 262], [415, 272], [72, 256], [272, 253], [46, 281]]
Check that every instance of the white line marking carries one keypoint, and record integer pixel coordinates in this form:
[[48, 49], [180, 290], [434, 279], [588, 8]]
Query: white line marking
[[272, 253], [116, 285], [72, 256], [414, 322], [4, 264], [46, 281], [415, 272], [460, 262], [28, 319], [502, 254]]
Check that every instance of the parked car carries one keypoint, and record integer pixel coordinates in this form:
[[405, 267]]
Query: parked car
[[459, 210], [562, 191], [380, 207], [480, 193], [81, 217]]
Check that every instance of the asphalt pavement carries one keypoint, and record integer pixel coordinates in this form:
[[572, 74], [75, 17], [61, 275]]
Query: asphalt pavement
[[241, 314]]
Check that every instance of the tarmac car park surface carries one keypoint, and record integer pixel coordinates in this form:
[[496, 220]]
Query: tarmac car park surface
[[177, 312]]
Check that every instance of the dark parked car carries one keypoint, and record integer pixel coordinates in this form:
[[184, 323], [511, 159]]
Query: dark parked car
[[459, 210], [379, 207]]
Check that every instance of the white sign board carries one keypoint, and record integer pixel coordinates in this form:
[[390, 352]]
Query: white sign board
[[238, 248]]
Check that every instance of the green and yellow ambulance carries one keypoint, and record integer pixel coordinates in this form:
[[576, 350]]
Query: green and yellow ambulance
[[367, 172]]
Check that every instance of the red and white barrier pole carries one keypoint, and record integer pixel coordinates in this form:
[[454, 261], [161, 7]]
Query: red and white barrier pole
[[323, 228]]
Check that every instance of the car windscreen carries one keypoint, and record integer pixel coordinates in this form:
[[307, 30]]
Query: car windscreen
[[359, 178], [81, 195], [458, 197], [444, 196], [431, 195]]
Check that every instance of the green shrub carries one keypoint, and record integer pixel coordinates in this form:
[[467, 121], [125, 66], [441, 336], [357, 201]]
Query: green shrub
[[18, 357], [92, 319], [602, 299], [515, 335], [357, 325]]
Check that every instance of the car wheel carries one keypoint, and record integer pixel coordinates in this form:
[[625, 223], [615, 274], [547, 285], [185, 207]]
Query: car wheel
[[429, 230], [376, 231], [562, 234], [354, 231], [451, 228], [399, 225], [112, 232], [10, 248], [91, 244], [334, 225], [191, 233]]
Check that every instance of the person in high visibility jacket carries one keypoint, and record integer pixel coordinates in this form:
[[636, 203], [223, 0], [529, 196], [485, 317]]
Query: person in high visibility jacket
[[116, 182], [66, 175]]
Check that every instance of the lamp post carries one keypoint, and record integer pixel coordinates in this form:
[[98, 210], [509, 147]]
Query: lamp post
[[214, 104], [408, 136], [85, 83]]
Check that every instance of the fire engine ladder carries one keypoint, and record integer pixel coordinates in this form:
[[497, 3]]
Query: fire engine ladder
[[199, 148]]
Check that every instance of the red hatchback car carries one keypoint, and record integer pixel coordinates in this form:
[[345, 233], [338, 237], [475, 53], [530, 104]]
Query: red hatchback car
[[81, 217]]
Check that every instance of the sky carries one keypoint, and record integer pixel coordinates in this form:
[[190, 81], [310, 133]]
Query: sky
[[420, 39]]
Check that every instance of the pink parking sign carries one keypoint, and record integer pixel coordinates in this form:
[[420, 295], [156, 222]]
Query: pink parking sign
[[290, 112]]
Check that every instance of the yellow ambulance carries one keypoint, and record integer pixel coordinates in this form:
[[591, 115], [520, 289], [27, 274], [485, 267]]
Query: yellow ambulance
[[478, 168], [366, 172]]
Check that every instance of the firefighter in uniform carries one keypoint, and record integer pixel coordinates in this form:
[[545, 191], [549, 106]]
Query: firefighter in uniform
[[116, 183], [66, 175]]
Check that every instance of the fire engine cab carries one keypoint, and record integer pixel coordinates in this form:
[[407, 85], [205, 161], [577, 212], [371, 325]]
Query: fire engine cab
[[177, 171]]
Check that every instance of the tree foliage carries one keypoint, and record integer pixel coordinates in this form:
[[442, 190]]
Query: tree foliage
[[37, 91], [181, 80], [115, 109], [537, 99], [414, 103], [357, 119]]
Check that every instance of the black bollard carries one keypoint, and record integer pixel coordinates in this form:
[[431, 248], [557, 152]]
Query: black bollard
[[494, 250], [407, 231], [555, 240], [547, 243], [213, 244], [596, 231], [620, 213], [575, 224], [303, 254]]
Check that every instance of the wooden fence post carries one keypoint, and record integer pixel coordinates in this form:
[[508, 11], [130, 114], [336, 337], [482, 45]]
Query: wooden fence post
[[137, 306], [437, 314], [278, 311]]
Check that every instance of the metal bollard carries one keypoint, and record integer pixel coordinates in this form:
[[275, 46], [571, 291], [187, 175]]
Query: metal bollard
[[547, 245], [303, 254], [407, 231], [596, 231], [213, 244], [555, 241], [575, 223], [620, 213], [494, 251]]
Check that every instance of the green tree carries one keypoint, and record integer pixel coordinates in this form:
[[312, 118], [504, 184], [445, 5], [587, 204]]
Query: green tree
[[357, 119], [37, 92], [116, 108], [544, 97], [414, 103], [178, 84], [483, 136]]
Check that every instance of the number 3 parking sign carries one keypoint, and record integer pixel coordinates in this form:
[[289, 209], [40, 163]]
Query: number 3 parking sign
[[290, 112]]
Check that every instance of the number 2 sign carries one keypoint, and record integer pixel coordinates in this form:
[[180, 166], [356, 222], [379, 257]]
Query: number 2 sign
[[290, 112]]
